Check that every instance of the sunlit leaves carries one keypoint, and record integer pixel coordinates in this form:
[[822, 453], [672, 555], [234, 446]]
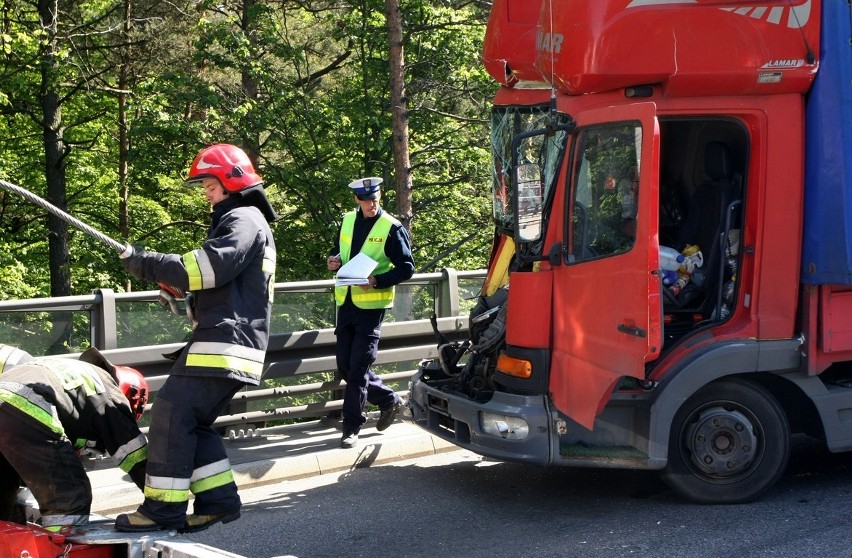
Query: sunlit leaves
[[304, 83]]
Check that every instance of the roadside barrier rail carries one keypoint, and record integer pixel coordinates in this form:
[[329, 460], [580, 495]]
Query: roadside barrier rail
[[299, 380]]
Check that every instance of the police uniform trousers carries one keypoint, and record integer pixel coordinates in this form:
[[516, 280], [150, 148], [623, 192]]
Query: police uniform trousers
[[185, 453], [47, 464], [358, 332]]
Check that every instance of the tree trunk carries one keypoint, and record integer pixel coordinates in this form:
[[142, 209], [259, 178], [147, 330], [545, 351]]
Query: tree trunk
[[401, 156], [123, 138], [123, 133], [251, 143], [399, 113], [55, 151]]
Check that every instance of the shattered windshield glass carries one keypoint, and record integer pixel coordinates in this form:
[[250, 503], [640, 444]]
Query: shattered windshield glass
[[538, 160]]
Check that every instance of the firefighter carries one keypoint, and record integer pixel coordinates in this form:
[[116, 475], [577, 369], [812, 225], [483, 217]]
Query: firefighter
[[230, 281], [51, 409], [360, 309]]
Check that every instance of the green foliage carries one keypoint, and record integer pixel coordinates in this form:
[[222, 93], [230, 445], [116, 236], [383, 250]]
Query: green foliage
[[15, 280], [302, 86], [144, 323]]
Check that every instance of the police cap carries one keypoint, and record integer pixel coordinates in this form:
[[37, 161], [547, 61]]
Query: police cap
[[366, 188]]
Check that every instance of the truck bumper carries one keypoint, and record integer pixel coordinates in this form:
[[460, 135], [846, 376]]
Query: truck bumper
[[508, 427]]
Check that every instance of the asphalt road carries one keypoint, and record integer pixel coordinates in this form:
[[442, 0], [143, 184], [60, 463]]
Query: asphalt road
[[458, 504]]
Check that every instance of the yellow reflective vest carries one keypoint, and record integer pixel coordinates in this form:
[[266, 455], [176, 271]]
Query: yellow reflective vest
[[374, 246]]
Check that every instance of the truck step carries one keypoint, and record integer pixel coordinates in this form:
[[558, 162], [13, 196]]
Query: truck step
[[607, 456]]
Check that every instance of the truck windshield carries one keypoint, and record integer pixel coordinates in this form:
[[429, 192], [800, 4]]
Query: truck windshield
[[538, 165]]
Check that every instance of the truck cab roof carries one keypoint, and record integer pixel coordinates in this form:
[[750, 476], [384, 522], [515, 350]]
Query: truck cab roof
[[689, 47]]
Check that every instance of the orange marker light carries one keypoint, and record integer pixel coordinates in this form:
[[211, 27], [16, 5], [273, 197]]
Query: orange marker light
[[512, 366]]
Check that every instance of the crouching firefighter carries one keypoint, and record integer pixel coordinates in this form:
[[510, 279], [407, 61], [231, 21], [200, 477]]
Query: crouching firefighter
[[52, 409]]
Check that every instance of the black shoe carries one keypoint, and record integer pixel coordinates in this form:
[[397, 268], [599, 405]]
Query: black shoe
[[386, 417], [195, 522], [136, 523], [349, 440]]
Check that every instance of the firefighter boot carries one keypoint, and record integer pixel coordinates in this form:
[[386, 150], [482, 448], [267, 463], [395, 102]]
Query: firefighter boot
[[196, 522], [136, 523]]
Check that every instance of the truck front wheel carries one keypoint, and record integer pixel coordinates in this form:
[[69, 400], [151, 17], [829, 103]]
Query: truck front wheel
[[729, 443]]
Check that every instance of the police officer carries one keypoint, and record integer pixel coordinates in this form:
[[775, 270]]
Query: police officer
[[230, 279], [360, 309], [51, 408]]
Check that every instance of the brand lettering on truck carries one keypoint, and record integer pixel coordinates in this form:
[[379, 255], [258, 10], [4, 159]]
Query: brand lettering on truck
[[796, 18], [784, 64], [549, 42]]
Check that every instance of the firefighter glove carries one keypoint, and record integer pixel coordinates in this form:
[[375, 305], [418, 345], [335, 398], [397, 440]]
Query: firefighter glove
[[166, 298], [133, 260], [127, 252]]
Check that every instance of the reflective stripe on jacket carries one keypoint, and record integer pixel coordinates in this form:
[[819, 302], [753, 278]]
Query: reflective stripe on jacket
[[31, 404], [224, 276], [246, 361], [132, 453], [76, 401], [231, 279]]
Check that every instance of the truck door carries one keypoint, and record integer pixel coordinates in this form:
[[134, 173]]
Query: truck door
[[606, 293]]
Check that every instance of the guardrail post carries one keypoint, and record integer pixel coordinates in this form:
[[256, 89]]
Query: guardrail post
[[447, 294], [104, 321]]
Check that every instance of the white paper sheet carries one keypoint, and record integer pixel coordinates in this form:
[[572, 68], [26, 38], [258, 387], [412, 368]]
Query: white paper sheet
[[356, 271]]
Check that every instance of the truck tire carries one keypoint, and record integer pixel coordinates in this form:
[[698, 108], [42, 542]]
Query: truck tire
[[729, 443]]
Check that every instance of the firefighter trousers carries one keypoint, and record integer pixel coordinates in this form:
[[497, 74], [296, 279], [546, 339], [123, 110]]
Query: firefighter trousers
[[47, 464], [358, 333], [185, 453]]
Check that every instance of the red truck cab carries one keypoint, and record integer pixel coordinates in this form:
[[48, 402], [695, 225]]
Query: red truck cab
[[627, 129]]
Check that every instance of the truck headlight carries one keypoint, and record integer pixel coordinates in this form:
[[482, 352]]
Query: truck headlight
[[504, 426]]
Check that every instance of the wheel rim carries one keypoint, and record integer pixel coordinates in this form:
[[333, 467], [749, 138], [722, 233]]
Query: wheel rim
[[722, 442]]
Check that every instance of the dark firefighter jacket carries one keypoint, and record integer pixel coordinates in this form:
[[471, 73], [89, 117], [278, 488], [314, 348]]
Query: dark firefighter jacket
[[231, 280], [78, 401]]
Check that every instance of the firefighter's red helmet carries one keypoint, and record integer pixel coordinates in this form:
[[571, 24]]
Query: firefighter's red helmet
[[134, 386], [227, 163]]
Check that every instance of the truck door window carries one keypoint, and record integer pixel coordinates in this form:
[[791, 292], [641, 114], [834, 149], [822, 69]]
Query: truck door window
[[605, 190]]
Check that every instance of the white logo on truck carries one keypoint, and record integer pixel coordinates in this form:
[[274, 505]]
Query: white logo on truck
[[797, 16], [549, 42]]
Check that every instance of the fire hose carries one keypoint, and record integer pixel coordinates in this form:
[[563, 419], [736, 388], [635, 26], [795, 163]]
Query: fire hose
[[169, 295]]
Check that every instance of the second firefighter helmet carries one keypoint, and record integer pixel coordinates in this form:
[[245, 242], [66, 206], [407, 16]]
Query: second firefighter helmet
[[228, 164], [134, 386]]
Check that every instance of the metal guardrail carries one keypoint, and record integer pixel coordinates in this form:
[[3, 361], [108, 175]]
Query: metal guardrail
[[132, 329]]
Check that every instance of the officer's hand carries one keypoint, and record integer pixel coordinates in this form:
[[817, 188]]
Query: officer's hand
[[371, 282], [333, 263]]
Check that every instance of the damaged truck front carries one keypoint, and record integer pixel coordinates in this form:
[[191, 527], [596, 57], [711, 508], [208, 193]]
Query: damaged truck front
[[660, 293], [464, 396]]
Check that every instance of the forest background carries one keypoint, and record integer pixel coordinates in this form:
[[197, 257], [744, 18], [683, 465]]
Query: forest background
[[104, 104]]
